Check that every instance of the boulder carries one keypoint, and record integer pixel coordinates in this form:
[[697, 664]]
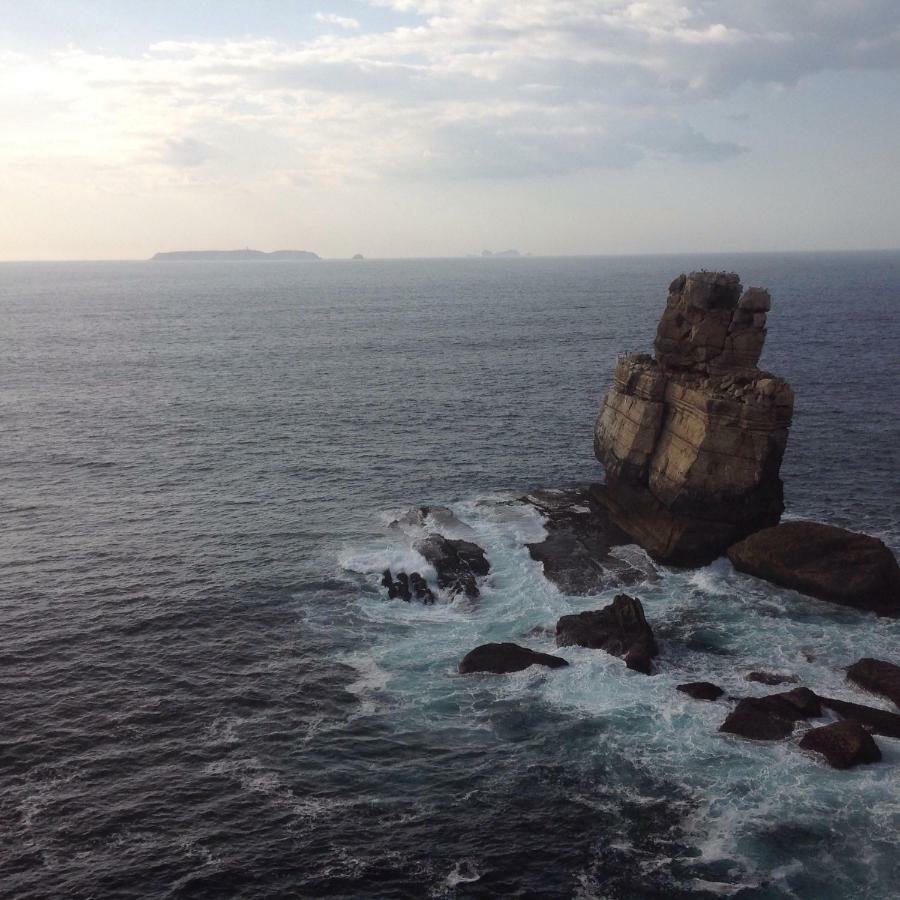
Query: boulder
[[503, 658], [878, 721], [825, 562], [701, 690], [771, 678], [692, 440], [878, 677], [620, 629], [843, 744], [457, 563], [406, 586], [773, 717], [576, 555], [420, 588]]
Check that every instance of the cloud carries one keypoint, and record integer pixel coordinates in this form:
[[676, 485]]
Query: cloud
[[471, 89], [340, 21]]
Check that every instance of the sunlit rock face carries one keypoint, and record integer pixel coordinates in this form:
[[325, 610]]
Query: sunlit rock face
[[692, 439]]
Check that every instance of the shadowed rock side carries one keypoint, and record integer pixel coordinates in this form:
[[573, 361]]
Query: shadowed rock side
[[692, 440], [878, 721], [456, 562], [877, 676], [580, 535], [701, 690], [825, 562], [619, 629], [500, 659], [843, 744], [773, 717]]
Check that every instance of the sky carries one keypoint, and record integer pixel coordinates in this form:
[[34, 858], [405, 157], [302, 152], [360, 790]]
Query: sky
[[443, 127]]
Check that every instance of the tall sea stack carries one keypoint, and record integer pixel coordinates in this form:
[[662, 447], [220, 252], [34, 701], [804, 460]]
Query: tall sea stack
[[692, 439]]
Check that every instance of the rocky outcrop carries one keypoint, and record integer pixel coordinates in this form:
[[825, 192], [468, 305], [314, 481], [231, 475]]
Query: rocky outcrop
[[771, 678], [620, 629], [456, 562], [500, 659], [843, 744], [825, 562], [878, 677], [701, 690], [692, 440], [576, 554], [405, 587], [773, 717], [878, 721]]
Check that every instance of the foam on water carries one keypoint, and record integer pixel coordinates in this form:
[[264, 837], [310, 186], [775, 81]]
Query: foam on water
[[712, 624]]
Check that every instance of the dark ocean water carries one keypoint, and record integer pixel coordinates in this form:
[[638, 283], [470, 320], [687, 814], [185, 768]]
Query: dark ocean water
[[205, 695]]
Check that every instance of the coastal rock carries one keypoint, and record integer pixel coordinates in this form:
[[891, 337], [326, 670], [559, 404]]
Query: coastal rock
[[406, 586], [620, 629], [771, 678], [843, 744], [773, 717], [825, 562], [500, 659], [878, 677], [701, 690], [456, 562], [576, 555], [878, 721], [692, 440]]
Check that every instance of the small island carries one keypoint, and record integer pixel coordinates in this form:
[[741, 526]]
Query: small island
[[246, 253]]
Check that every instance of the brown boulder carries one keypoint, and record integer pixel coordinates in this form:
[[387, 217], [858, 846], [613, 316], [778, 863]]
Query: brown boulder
[[771, 678], [773, 717], [701, 690], [843, 744], [878, 677], [825, 562], [620, 629], [878, 721], [501, 659]]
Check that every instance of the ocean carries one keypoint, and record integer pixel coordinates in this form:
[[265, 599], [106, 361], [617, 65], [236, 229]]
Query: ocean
[[205, 692]]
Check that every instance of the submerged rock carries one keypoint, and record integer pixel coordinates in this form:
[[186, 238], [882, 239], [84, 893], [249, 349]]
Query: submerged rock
[[620, 629], [506, 657], [456, 562], [692, 440], [701, 690], [878, 721], [773, 717], [878, 677], [771, 678], [576, 553], [843, 744], [405, 586], [825, 562]]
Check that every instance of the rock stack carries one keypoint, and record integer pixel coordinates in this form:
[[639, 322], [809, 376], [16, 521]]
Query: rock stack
[[692, 439]]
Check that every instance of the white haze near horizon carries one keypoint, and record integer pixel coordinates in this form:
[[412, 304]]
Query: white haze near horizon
[[439, 127]]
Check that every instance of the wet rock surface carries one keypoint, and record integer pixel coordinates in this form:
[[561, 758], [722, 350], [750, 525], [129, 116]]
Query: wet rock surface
[[773, 717], [576, 553], [878, 721], [771, 678], [458, 563], [843, 744], [878, 677], [405, 587], [620, 629], [692, 440], [701, 690], [502, 658], [825, 562]]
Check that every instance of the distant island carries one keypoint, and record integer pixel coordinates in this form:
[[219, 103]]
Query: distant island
[[247, 253], [507, 253], [358, 256]]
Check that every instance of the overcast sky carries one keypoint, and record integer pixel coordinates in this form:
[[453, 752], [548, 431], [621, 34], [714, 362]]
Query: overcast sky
[[441, 127]]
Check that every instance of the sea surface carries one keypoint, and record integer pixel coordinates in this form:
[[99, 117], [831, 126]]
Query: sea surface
[[204, 691]]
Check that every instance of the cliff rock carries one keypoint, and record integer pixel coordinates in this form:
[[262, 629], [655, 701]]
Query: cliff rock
[[692, 439]]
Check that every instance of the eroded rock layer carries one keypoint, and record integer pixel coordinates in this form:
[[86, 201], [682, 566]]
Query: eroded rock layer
[[692, 439]]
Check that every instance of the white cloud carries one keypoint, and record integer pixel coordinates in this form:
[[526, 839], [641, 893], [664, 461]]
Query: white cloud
[[340, 21], [477, 88]]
